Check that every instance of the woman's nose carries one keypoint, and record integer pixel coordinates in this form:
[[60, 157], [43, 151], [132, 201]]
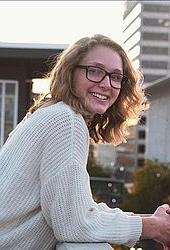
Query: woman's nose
[[105, 83]]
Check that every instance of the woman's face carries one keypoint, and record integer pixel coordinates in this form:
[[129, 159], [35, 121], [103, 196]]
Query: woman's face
[[97, 97]]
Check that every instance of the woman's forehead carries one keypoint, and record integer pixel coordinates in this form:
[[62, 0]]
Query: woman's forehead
[[103, 56]]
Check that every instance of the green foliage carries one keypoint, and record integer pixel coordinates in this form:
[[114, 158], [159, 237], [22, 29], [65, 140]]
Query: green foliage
[[151, 188]]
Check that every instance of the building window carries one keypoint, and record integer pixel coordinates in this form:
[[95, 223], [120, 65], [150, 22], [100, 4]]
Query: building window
[[141, 162], [8, 108], [155, 8], [141, 148], [154, 50], [155, 36], [142, 134], [155, 22], [143, 120], [154, 64]]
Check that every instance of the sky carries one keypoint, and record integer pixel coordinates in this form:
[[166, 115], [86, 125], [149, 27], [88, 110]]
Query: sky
[[59, 22]]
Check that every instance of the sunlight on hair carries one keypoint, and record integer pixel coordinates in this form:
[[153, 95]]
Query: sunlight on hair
[[132, 122], [40, 86]]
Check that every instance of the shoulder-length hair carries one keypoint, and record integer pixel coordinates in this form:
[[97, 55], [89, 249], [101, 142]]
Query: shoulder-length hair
[[112, 126]]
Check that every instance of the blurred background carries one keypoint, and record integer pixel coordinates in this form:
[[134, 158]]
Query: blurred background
[[135, 175]]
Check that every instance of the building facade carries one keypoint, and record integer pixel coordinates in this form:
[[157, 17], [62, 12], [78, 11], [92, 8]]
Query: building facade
[[105, 155], [146, 36], [158, 124], [19, 64]]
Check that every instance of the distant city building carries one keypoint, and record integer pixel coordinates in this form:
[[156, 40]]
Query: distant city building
[[146, 35], [126, 152], [105, 155], [158, 124], [132, 154]]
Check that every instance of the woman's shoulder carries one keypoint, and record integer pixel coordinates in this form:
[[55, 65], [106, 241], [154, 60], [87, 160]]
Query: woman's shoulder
[[51, 118], [58, 112], [60, 118], [57, 109]]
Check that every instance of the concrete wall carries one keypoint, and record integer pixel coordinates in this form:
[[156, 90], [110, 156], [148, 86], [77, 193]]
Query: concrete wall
[[158, 124]]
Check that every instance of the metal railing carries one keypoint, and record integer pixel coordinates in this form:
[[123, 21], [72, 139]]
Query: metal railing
[[83, 246]]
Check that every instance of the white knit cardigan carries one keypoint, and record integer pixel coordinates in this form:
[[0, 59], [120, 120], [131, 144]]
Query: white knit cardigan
[[45, 194]]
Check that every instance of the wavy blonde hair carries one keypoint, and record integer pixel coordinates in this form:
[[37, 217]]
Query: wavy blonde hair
[[112, 126]]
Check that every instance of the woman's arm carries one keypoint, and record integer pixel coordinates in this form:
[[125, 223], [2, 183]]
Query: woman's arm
[[66, 199]]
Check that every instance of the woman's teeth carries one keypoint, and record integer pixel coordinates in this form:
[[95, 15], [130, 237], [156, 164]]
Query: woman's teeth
[[103, 97]]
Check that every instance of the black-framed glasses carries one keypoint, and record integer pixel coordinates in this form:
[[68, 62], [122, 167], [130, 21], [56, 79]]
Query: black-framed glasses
[[97, 74]]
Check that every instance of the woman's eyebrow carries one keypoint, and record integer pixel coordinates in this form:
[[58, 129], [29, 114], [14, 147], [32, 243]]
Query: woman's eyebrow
[[117, 71], [94, 63], [101, 65]]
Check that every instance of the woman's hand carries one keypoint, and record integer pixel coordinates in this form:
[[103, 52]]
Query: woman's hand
[[157, 226], [162, 215]]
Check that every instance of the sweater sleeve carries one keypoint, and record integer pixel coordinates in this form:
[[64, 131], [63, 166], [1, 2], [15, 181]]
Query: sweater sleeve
[[66, 197]]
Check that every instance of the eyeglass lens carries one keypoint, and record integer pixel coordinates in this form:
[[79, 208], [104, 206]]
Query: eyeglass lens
[[97, 75]]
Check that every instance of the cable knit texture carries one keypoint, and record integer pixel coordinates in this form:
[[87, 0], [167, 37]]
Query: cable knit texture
[[45, 194]]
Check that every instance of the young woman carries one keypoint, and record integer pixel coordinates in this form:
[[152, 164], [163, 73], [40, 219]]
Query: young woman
[[45, 192]]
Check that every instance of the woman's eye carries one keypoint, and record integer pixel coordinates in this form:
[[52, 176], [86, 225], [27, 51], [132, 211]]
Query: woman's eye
[[116, 77], [92, 71], [95, 71]]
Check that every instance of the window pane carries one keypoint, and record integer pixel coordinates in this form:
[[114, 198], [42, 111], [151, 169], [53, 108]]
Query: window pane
[[9, 114], [155, 36], [154, 64], [154, 50], [142, 134], [8, 102], [155, 8], [141, 148], [10, 88]]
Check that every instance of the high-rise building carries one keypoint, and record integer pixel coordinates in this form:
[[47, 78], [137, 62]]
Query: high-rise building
[[146, 35], [146, 38]]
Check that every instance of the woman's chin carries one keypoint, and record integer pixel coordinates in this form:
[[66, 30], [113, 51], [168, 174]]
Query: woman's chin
[[97, 110], [97, 107]]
